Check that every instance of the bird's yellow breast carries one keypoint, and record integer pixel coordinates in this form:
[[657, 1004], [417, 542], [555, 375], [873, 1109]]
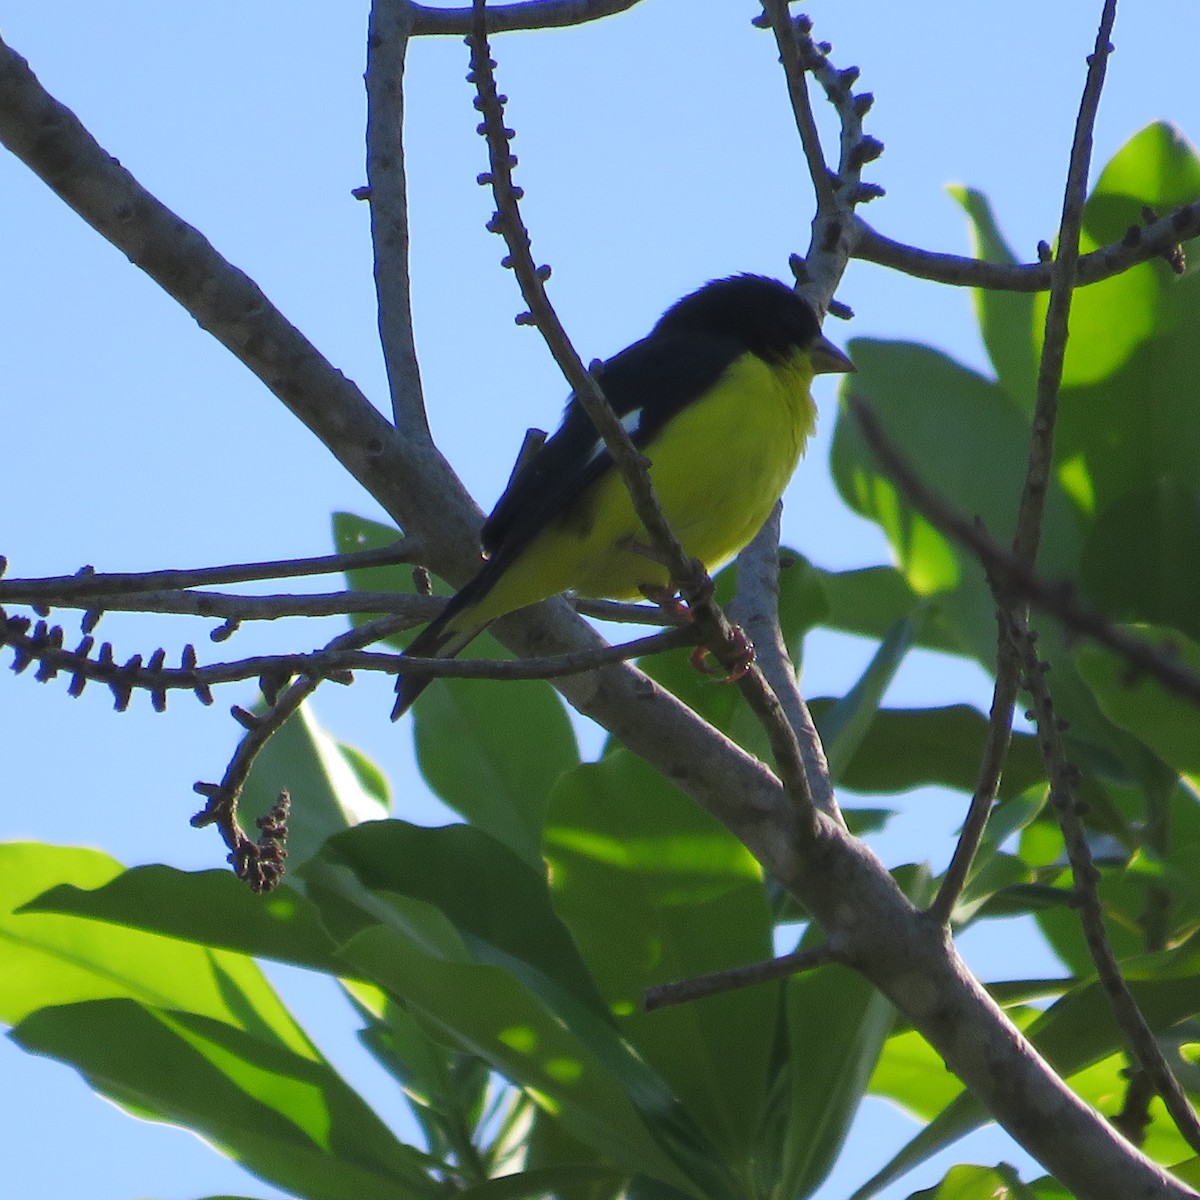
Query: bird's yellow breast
[[718, 468]]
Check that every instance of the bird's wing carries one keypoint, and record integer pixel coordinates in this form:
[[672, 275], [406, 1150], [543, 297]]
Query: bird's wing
[[646, 385]]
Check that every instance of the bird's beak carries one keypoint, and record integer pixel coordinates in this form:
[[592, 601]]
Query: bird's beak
[[827, 359]]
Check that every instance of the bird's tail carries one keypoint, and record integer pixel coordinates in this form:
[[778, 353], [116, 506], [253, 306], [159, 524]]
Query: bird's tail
[[444, 637]]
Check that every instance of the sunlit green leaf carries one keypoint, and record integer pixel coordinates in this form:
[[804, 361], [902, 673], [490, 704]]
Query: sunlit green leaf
[[286, 1117]]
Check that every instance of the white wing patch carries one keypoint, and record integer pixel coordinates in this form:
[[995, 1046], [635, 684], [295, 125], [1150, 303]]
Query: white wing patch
[[631, 422]]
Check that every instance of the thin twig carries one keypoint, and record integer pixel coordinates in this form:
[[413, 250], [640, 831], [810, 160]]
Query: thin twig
[[388, 30], [43, 644], [1062, 285], [1013, 578], [90, 584], [1064, 776], [1031, 508], [228, 607], [1160, 239], [506, 18], [790, 55], [997, 740], [697, 988]]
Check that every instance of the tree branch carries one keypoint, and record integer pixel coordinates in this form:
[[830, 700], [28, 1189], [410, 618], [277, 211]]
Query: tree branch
[[388, 31], [697, 988], [1160, 239], [90, 584], [1064, 776], [819, 273], [506, 18], [755, 608], [1031, 508]]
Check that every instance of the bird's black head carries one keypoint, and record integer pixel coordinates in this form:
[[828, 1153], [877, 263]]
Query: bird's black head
[[764, 315]]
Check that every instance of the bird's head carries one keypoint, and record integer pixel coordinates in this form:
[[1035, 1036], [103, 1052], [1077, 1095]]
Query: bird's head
[[766, 316]]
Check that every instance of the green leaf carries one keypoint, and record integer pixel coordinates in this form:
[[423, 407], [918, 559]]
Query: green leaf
[[1140, 560], [837, 1023], [1077, 1032], [844, 726], [1126, 418], [546, 1181], [326, 785], [212, 908], [653, 890], [906, 748], [1005, 318], [499, 905], [51, 959], [871, 600], [485, 1011], [492, 750], [1169, 725], [286, 1117], [938, 413], [967, 1182]]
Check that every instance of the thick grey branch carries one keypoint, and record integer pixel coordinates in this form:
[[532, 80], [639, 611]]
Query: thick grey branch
[[756, 609]]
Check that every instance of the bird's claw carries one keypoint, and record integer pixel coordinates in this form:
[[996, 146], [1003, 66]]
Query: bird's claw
[[735, 660]]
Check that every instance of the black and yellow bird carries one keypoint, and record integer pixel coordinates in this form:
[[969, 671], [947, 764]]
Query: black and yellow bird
[[716, 397]]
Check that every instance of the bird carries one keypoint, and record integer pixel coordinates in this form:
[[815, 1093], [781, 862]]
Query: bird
[[716, 397]]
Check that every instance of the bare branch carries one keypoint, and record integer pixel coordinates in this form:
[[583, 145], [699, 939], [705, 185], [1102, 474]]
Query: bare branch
[[227, 607], [506, 18], [987, 783], [819, 273], [736, 977], [1064, 776], [1062, 284], [89, 584], [388, 31], [1160, 239], [788, 38], [1037, 472], [1013, 578]]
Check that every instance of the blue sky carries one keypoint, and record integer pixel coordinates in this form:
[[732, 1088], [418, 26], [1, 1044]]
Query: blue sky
[[657, 151]]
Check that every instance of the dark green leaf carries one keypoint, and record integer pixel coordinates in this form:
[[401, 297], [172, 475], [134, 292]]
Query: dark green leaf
[[1166, 723], [655, 890], [499, 905], [492, 749]]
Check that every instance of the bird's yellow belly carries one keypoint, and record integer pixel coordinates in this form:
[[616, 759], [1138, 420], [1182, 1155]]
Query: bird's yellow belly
[[718, 469]]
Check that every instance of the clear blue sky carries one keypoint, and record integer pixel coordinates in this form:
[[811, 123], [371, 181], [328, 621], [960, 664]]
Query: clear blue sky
[[657, 150]]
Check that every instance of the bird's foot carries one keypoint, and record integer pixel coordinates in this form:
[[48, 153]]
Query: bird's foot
[[735, 659]]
